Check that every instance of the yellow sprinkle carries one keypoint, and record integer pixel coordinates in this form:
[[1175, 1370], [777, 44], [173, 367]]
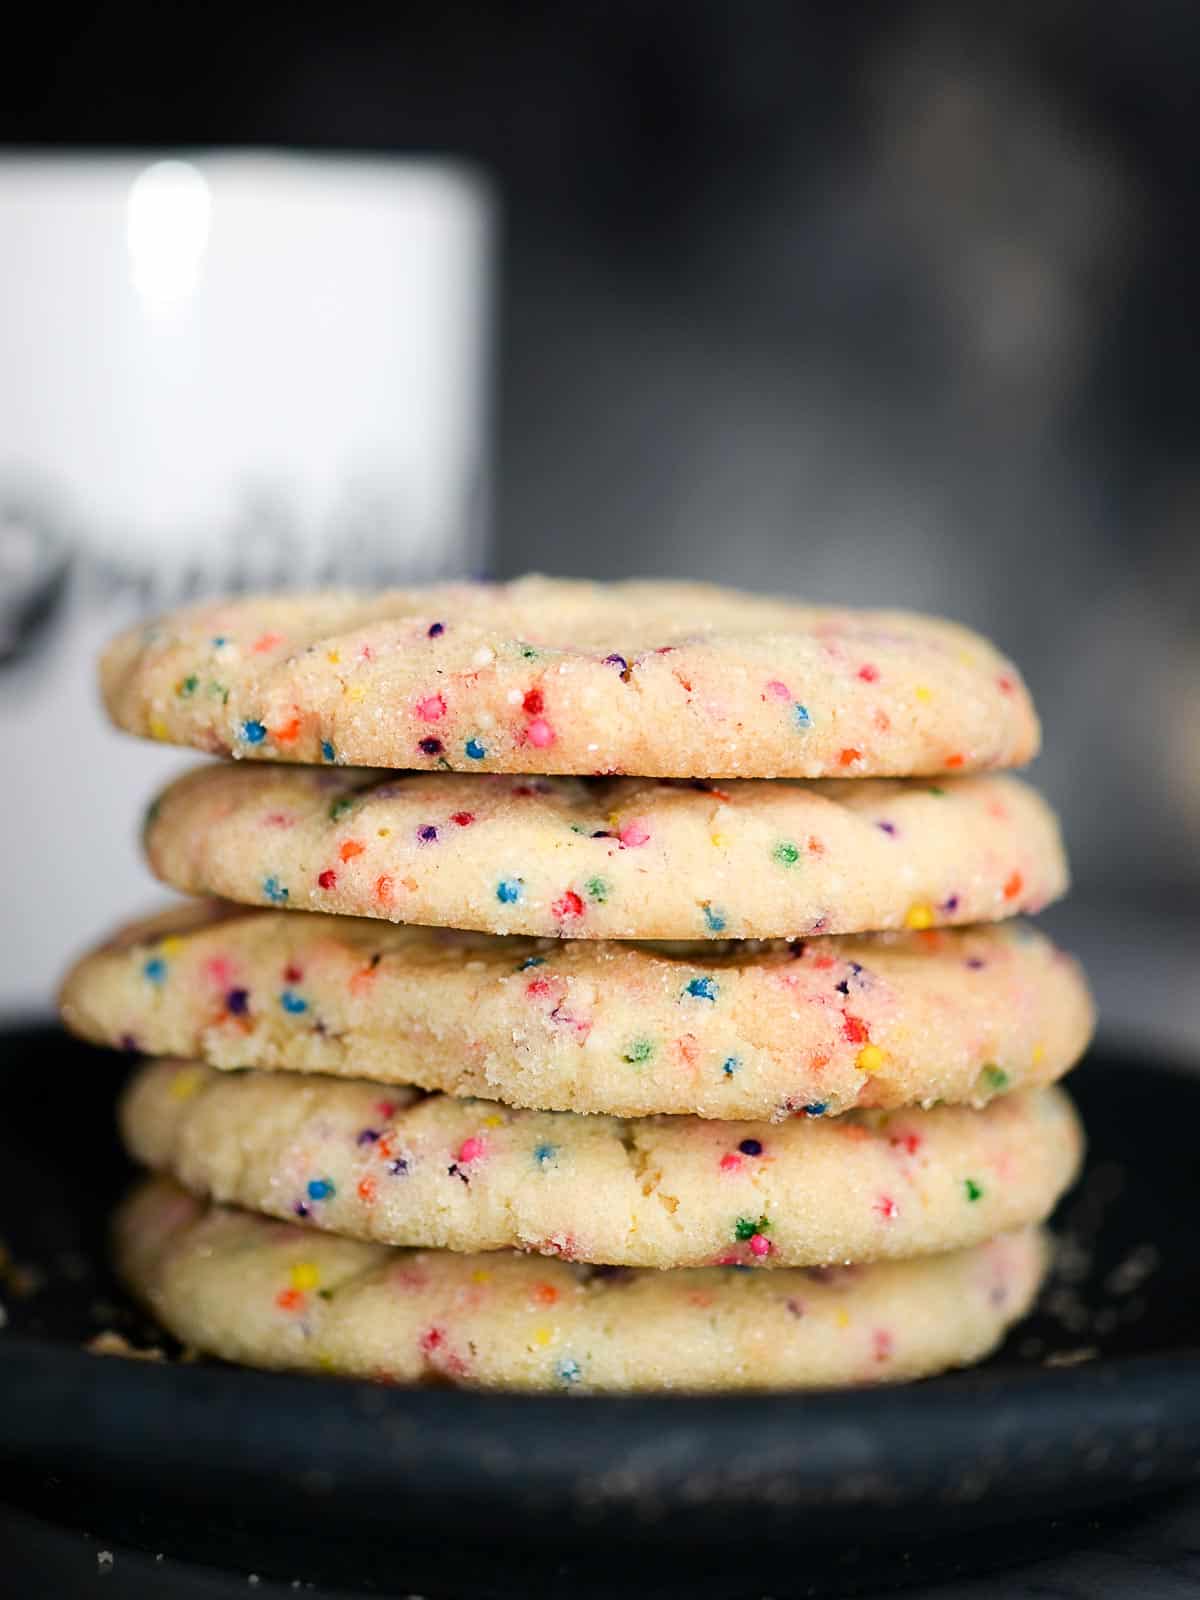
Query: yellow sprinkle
[[720, 840], [158, 728], [305, 1275], [543, 1336], [383, 832], [480, 1276], [171, 945], [1039, 1054], [324, 1360], [332, 655], [869, 1058], [923, 693], [919, 916], [614, 821], [185, 1084], [493, 1122], [357, 692], [842, 1317]]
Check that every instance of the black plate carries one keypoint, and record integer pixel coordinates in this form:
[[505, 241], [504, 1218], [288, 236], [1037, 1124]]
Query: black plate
[[1094, 1399]]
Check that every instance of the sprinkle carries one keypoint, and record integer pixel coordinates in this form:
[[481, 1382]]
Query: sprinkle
[[254, 732], [922, 693], [597, 889], [305, 1275], [869, 1058], [532, 961], [855, 1029], [640, 1050], [383, 889], [919, 916], [540, 734], [290, 1299], [702, 989], [786, 853], [997, 1078], [293, 1003], [184, 1084], [633, 834], [470, 1150], [974, 1189], [730, 1065], [714, 920], [327, 751], [543, 1336], [462, 819], [432, 708], [274, 891], [543, 1154], [340, 807], [746, 1228], [934, 789], [568, 1370], [427, 833], [367, 1136], [533, 704], [886, 1207], [435, 630], [816, 1108], [326, 879], [617, 661], [954, 761], [430, 747], [321, 1189], [159, 729], [155, 969], [508, 890], [351, 848], [1013, 886], [868, 673], [801, 716], [237, 1002], [218, 640], [475, 751], [751, 1147], [187, 686], [887, 827], [847, 758], [570, 905], [760, 1245]]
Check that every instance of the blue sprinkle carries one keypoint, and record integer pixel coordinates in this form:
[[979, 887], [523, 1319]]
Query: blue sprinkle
[[321, 1189], [544, 1153], [732, 1063], [292, 1002], [714, 920], [702, 989], [427, 833], [274, 891], [818, 1108], [218, 640], [751, 1147], [368, 1136], [435, 630], [475, 750], [155, 969], [568, 1370], [802, 718], [327, 751], [540, 961], [508, 890], [254, 732]]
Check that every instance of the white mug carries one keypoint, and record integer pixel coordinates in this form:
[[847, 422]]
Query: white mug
[[218, 371]]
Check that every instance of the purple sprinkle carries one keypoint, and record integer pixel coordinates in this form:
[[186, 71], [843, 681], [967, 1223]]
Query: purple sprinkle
[[431, 747], [976, 962], [368, 1136], [301, 1209], [436, 630], [237, 1002], [796, 1307], [603, 833], [616, 661], [751, 1147], [888, 827], [951, 904], [398, 1167], [128, 1042], [427, 834]]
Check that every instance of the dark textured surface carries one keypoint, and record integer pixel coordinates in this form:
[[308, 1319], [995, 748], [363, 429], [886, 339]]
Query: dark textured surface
[[390, 1490]]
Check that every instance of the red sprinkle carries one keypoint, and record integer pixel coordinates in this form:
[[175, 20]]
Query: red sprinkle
[[869, 674], [886, 1207], [327, 879], [292, 973], [855, 1030], [569, 906], [848, 757], [730, 1162], [464, 819], [533, 704]]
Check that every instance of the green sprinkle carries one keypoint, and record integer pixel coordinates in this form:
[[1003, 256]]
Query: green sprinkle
[[786, 853], [746, 1227], [529, 652], [997, 1078], [974, 1190], [640, 1050], [219, 691], [933, 789], [188, 685], [340, 807], [597, 889]]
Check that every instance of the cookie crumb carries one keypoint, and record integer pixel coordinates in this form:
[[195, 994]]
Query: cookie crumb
[[112, 1343]]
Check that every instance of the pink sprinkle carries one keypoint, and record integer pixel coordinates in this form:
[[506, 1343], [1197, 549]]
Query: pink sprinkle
[[731, 1163], [432, 708], [886, 1207], [634, 833], [883, 1344], [220, 970], [760, 1245], [540, 734], [869, 674], [779, 690], [539, 988], [471, 1149]]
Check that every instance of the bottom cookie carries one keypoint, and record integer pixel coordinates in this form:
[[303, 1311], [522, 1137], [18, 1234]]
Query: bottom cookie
[[274, 1294]]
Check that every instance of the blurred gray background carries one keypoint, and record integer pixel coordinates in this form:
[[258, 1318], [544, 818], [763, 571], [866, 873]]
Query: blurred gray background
[[885, 304]]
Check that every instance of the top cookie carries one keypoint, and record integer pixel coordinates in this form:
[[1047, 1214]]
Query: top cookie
[[548, 676]]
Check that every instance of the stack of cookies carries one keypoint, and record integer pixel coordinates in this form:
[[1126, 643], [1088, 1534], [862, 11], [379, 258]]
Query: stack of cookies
[[661, 1017]]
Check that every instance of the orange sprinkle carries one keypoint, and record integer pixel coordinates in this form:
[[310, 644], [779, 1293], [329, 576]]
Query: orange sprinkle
[[350, 849], [848, 757], [288, 733], [361, 981], [383, 889], [366, 1190], [544, 1293], [290, 1300], [956, 760], [1014, 886], [267, 641]]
